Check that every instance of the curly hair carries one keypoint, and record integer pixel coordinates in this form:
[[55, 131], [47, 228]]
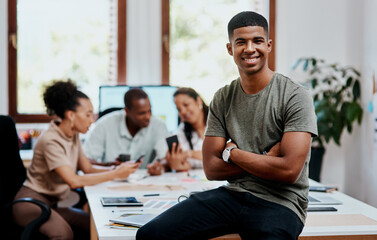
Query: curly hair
[[187, 126], [62, 96]]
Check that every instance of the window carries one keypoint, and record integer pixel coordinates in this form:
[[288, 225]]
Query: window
[[54, 39], [101, 54], [198, 34]]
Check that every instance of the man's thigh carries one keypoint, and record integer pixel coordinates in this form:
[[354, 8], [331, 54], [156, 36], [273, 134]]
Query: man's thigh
[[264, 220], [203, 215]]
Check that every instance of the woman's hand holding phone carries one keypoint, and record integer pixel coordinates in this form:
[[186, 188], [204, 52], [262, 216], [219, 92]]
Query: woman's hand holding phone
[[177, 159], [125, 169]]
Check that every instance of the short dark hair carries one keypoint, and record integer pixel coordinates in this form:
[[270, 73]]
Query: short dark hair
[[247, 18], [61, 96], [132, 94]]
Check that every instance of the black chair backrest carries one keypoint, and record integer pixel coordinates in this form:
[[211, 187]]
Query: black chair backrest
[[12, 170], [109, 110]]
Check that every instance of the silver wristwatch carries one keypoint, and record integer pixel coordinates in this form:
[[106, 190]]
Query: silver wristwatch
[[226, 153]]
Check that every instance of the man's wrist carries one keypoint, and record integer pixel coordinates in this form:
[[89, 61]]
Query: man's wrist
[[227, 152]]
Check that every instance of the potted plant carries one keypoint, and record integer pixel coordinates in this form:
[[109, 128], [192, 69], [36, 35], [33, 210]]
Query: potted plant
[[336, 94]]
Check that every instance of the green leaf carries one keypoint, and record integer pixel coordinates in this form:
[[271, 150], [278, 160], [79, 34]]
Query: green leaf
[[314, 62], [353, 110], [349, 127], [356, 90], [314, 82], [349, 82], [360, 116], [343, 73], [356, 72], [326, 80]]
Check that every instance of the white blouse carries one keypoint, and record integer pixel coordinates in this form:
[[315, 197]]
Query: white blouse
[[197, 144]]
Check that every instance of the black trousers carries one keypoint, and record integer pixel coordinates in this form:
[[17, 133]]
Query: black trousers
[[221, 211]]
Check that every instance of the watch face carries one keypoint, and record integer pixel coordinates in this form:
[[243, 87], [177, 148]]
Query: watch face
[[226, 154]]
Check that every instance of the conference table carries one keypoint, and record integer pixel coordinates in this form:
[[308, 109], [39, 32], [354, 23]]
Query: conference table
[[353, 220]]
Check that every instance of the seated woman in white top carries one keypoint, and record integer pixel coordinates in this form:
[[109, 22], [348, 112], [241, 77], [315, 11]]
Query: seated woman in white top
[[192, 110]]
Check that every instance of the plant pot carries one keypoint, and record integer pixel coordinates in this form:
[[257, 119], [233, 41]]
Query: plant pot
[[315, 163]]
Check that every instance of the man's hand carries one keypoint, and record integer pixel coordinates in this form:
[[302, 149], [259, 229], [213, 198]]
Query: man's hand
[[275, 150], [155, 168]]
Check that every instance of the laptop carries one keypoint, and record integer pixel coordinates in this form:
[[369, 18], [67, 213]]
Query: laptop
[[134, 220], [317, 198]]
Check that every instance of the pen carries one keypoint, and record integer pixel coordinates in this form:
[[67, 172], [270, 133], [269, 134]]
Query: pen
[[151, 195], [127, 210]]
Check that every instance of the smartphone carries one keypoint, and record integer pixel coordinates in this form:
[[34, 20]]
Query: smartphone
[[322, 209], [124, 157], [170, 140], [139, 158], [120, 201]]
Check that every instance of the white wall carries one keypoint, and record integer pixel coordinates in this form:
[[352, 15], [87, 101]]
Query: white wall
[[368, 189], [339, 31], [3, 58]]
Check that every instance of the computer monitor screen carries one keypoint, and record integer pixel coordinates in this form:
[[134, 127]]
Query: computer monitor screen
[[161, 98]]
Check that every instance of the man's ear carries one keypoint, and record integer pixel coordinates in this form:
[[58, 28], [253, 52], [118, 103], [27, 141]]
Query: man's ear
[[127, 111], [229, 49], [269, 46]]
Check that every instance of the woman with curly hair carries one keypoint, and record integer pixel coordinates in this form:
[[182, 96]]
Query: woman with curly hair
[[58, 155]]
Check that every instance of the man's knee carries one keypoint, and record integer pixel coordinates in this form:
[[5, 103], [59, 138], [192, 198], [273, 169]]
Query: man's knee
[[148, 232]]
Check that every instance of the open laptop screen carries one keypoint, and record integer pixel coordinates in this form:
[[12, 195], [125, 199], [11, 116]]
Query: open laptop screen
[[161, 98]]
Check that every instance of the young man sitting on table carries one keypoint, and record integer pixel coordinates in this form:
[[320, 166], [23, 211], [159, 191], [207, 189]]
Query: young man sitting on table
[[267, 195]]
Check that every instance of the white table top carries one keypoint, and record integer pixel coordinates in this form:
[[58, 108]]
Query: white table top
[[352, 218], [150, 185]]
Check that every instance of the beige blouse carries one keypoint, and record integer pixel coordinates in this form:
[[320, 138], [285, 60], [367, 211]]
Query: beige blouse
[[52, 150]]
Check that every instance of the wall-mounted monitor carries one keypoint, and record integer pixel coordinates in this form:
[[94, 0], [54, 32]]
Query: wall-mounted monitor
[[160, 96]]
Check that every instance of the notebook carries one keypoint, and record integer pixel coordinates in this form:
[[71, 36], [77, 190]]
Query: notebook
[[134, 220], [316, 198]]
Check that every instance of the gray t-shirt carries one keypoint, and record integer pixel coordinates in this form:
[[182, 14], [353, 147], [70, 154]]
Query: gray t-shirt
[[256, 122]]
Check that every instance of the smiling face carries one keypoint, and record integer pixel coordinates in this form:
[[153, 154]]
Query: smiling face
[[189, 109], [249, 47], [83, 115], [140, 113]]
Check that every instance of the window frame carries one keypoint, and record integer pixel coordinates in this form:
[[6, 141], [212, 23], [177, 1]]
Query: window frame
[[121, 53], [165, 22], [12, 61]]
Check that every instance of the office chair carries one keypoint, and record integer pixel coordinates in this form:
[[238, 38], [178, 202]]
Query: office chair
[[107, 111], [12, 176]]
